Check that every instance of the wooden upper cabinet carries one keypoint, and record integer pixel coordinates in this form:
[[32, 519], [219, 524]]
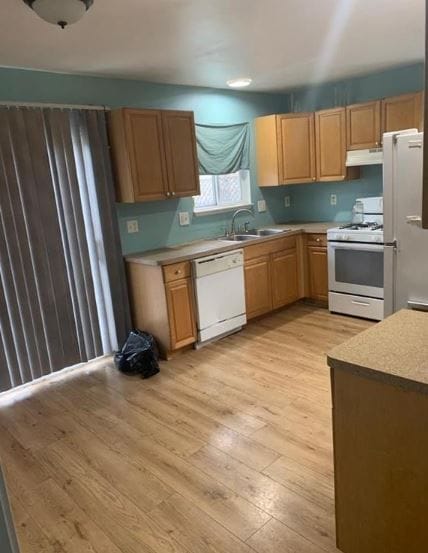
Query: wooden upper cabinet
[[363, 126], [137, 148], [181, 157], [154, 154], [285, 149], [285, 278], [330, 139], [402, 112], [296, 147]]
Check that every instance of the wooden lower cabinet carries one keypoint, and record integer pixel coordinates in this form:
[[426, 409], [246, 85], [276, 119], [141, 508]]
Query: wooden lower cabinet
[[285, 278], [162, 303], [272, 275], [179, 296], [258, 290], [277, 273], [318, 273]]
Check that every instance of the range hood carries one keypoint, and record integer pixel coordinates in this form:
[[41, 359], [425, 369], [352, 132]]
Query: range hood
[[374, 156]]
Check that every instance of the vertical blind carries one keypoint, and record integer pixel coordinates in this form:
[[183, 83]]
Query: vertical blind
[[63, 296]]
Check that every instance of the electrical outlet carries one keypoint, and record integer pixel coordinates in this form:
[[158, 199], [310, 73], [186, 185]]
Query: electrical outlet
[[333, 199], [132, 226], [287, 201], [184, 218], [261, 206]]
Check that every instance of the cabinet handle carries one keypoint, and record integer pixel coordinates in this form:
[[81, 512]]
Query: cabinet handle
[[173, 193], [167, 193], [318, 239], [314, 178], [178, 272]]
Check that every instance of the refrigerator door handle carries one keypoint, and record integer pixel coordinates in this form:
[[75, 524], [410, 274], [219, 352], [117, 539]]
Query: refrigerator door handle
[[414, 220], [415, 143]]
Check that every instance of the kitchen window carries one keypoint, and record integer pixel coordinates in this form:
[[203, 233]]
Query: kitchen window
[[220, 193]]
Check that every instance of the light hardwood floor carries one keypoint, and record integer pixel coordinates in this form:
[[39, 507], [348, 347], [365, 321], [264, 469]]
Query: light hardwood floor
[[227, 450]]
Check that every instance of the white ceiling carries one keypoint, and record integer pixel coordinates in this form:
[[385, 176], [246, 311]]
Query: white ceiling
[[279, 43]]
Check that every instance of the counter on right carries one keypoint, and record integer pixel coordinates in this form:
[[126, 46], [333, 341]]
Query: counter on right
[[380, 434]]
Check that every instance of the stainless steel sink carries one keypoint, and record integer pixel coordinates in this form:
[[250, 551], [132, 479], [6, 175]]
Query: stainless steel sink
[[254, 234], [271, 231], [242, 237]]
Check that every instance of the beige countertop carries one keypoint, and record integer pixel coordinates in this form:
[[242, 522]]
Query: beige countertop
[[395, 351], [192, 250]]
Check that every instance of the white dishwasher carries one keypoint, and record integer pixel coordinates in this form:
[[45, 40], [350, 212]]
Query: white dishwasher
[[220, 294]]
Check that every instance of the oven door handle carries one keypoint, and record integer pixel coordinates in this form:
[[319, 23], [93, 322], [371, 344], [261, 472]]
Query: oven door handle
[[357, 246]]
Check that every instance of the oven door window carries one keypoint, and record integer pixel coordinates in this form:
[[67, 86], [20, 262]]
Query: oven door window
[[359, 267]]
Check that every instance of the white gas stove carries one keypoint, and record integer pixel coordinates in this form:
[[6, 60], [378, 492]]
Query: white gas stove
[[366, 232], [359, 262]]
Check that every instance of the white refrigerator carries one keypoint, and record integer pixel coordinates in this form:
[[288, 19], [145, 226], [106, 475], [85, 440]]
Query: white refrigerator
[[402, 190]]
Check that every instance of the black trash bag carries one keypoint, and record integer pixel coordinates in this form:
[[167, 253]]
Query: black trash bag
[[139, 355]]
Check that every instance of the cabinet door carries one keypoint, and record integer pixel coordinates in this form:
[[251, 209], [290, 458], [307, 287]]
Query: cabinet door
[[318, 273], [363, 126], [285, 279], [181, 156], [296, 147], [258, 294], [402, 112], [144, 141], [179, 294], [330, 140]]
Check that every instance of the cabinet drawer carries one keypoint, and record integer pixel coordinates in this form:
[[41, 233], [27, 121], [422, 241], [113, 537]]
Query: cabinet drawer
[[176, 271], [268, 247], [319, 240]]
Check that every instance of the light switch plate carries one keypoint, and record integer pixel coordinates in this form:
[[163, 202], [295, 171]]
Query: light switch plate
[[261, 206], [287, 201], [132, 226], [184, 218], [333, 199]]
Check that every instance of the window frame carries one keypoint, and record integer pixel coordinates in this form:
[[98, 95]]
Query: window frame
[[244, 179]]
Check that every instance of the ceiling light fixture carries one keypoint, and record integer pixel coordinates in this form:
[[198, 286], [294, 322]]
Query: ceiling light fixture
[[239, 83], [60, 12]]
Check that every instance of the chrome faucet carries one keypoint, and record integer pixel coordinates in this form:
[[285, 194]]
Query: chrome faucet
[[237, 212]]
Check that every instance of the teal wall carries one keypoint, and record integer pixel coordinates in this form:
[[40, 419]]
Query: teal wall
[[312, 201], [158, 221]]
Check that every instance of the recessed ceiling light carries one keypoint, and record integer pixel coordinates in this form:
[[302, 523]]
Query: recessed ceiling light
[[239, 83]]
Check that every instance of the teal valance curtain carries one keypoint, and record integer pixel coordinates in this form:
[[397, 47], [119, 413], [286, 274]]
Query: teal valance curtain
[[223, 149]]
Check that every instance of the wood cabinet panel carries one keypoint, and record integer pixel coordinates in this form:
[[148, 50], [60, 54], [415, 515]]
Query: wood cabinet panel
[[330, 139], [380, 452], [296, 148], [271, 246], [316, 240], [402, 112], [144, 143], [154, 154], [258, 293], [285, 278], [176, 271], [267, 151], [181, 157], [179, 294], [318, 273], [363, 126]]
